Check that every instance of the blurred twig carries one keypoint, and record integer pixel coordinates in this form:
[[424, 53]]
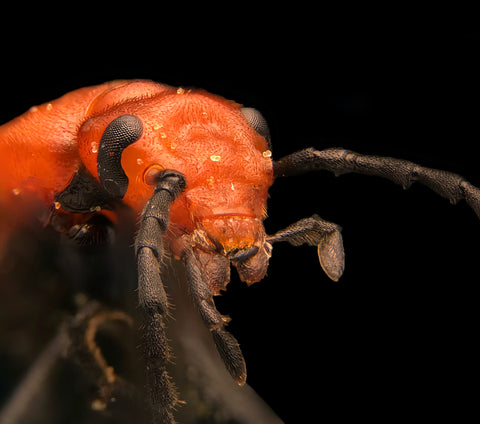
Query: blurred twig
[[17, 409]]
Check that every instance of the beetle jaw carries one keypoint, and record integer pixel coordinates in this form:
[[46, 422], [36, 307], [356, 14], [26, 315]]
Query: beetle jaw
[[237, 240], [254, 268]]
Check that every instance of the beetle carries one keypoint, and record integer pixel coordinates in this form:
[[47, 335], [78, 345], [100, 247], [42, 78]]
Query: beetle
[[196, 169]]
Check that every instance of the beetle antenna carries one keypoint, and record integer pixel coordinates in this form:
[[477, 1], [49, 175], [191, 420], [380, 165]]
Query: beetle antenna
[[152, 296]]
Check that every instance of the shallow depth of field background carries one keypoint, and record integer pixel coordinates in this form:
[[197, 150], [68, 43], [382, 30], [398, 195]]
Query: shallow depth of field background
[[397, 330]]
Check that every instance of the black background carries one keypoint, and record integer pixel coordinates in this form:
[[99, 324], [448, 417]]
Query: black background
[[395, 337]]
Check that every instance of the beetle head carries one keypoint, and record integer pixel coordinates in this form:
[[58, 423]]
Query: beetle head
[[221, 148]]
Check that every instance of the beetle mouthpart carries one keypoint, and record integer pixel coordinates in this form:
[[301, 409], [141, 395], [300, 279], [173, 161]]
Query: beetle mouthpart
[[242, 254], [237, 237], [255, 267]]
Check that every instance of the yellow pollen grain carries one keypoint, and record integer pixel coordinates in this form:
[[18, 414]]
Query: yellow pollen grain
[[180, 90], [215, 158], [49, 106], [267, 154]]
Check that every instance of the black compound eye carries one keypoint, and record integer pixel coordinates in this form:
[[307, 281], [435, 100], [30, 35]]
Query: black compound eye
[[258, 122], [119, 134]]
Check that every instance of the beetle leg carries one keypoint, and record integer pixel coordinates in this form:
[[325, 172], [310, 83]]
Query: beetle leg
[[98, 230], [316, 232], [340, 161], [202, 296], [152, 297]]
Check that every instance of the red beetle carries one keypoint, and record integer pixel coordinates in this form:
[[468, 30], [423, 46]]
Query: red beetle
[[197, 169]]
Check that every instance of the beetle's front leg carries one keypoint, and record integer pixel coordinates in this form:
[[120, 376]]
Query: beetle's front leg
[[152, 297]]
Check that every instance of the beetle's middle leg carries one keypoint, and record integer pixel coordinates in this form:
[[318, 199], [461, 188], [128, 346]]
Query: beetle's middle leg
[[317, 232]]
